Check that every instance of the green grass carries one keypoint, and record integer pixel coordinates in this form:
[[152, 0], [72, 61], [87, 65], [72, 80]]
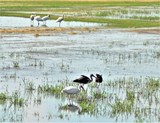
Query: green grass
[[121, 23], [153, 84], [15, 99], [18, 8], [87, 107], [3, 96], [99, 95], [54, 90]]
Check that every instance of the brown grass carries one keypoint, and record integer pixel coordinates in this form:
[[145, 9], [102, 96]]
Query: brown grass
[[150, 31], [39, 31]]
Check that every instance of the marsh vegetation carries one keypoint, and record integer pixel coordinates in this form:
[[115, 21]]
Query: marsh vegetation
[[34, 72], [36, 63]]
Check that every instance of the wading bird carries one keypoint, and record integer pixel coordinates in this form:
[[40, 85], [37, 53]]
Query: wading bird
[[84, 79], [32, 19], [71, 90], [99, 79], [45, 18], [60, 19], [38, 18]]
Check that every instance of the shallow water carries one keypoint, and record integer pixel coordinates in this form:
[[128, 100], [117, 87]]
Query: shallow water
[[61, 57], [5, 22]]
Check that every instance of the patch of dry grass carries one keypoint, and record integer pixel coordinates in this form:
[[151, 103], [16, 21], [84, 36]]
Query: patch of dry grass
[[150, 31], [37, 31]]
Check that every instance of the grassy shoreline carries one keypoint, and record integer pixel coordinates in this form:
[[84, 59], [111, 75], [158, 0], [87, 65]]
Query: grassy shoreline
[[21, 8]]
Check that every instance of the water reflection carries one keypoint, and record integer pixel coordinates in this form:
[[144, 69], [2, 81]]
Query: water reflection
[[70, 108]]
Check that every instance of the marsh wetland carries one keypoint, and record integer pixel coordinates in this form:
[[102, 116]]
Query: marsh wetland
[[36, 63]]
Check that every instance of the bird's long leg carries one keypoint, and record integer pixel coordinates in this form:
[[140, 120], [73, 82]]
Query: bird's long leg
[[59, 24], [69, 99], [71, 102], [98, 84], [31, 22], [44, 22]]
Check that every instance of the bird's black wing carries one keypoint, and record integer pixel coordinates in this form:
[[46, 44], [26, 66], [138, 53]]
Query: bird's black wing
[[83, 79]]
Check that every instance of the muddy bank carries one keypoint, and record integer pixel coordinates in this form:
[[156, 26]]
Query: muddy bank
[[69, 30], [30, 30], [147, 30]]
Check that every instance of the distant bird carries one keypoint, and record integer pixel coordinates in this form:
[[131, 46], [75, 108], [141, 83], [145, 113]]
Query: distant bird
[[84, 79], [70, 90], [60, 19], [32, 19], [45, 18], [99, 79], [38, 18]]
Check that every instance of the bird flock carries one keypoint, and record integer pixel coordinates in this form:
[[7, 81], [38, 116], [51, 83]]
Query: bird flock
[[71, 90], [44, 19], [83, 80]]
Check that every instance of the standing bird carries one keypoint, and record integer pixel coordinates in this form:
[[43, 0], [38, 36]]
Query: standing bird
[[84, 79], [45, 18], [60, 19], [32, 19], [70, 90], [99, 79], [38, 18]]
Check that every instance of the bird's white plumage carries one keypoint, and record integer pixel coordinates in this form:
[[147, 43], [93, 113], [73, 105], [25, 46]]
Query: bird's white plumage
[[59, 19], [71, 90], [38, 18], [45, 18]]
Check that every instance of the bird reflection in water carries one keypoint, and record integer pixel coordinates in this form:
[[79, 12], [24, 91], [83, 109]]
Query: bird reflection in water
[[71, 108]]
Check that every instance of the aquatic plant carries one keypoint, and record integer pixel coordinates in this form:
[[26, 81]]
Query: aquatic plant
[[64, 67], [55, 90], [15, 64], [87, 107], [60, 116], [29, 85], [153, 84], [16, 99], [99, 95], [130, 96], [83, 97], [3, 96]]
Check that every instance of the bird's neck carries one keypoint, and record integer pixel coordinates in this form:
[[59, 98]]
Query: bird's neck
[[91, 78]]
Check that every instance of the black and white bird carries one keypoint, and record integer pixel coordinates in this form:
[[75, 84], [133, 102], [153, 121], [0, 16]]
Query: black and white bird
[[38, 19], [60, 19], [32, 19], [71, 90], [99, 79], [45, 18], [84, 79]]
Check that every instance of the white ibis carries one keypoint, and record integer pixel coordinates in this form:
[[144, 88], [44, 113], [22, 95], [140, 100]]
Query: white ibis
[[60, 19], [71, 90], [84, 79], [45, 18], [38, 18], [99, 79], [32, 19]]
